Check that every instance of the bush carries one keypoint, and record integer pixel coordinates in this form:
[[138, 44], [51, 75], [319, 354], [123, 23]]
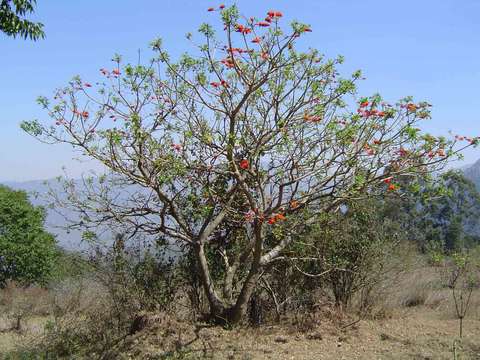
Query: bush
[[27, 251]]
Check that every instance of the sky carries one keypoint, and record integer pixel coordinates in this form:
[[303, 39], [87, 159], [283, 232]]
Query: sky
[[428, 49]]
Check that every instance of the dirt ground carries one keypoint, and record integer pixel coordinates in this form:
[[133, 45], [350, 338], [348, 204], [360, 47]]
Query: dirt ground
[[418, 334]]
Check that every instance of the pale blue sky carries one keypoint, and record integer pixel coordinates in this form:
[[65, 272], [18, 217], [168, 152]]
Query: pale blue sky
[[429, 49]]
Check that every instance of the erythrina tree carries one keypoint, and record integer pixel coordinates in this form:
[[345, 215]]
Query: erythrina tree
[[27, 251], [233, 147], [13, 23]]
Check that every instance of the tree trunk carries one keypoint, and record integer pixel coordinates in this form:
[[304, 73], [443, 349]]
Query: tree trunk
[[217, 306], [238, 311], [220, 311]]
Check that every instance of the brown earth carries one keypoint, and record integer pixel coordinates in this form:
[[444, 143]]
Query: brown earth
[[420, 333]]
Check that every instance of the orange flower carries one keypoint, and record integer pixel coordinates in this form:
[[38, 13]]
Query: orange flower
[[312, 118], [244, 164], [280, 217], [411, 107], [294, 204], [211, 9], [264, 55], [271, 13], [256, 40], [116, 72], [228, 63], [222, 6], [278, 14], [441, 152], [263, 24], [388, 180], [271, 221], [392, 187]]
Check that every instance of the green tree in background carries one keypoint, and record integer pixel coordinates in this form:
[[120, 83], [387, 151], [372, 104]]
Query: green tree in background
[[443, 215], [27, 251], [13, 22], [452, 217]]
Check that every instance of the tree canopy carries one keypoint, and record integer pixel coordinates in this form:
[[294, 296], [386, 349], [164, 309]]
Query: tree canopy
[[27, 251], [13, 21], [235, 146]]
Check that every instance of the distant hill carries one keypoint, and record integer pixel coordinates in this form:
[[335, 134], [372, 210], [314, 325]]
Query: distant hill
[[72, 240], [472, 173]]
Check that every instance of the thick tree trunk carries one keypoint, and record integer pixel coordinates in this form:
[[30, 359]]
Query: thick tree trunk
[[217, 306], [220, 310], [238, 311]]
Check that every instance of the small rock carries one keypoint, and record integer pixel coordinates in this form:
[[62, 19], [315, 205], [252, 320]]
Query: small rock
[[281, 339], [315, 336]]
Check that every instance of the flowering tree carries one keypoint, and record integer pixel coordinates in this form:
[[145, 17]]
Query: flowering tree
[[223, 147]]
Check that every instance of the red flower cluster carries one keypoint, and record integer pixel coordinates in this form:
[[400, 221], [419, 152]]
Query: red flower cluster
[[466, 138], [242, 29], [177, 147], [273, 14], [228, 62], [371, 112], [274, 218], [221, 7], [392, 187], [221, 83], [411, 107], [244, 164], [263, 23], [364, 103], [250, 216], [312, 118], [234, 51], [294, 204], [403, 152], [83, 114]]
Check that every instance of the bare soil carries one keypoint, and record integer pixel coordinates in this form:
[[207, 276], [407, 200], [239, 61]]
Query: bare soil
[[421, 333]]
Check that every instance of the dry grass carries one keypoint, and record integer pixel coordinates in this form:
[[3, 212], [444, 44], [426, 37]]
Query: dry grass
[[413, 318]]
